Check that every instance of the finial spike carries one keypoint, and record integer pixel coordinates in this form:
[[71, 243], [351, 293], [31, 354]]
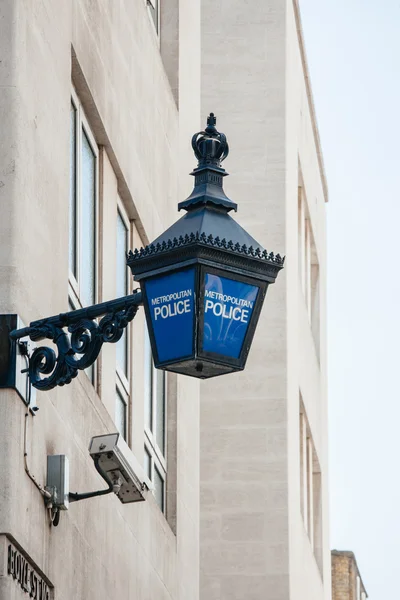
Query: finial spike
[[211, 121]]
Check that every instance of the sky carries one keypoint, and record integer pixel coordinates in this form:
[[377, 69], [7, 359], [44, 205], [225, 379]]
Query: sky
[[353, 49]]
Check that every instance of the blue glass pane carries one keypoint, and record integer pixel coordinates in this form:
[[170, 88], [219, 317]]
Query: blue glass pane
[[122, 353], [90, 373], [147, 463], [72, 191], [153, 7], [158, 489], [122, 285], [121, 268], [120, 414], [148, 370], [228, 306], [88, 222], [159, 399], [171, 305]]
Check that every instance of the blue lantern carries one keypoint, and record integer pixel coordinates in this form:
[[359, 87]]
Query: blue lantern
[[205, 278]]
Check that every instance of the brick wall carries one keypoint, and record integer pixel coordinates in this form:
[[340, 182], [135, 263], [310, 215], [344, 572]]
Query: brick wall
[[344, 577]]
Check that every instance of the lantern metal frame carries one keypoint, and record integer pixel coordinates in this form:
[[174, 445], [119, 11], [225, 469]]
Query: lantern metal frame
[[196, 363], [208, 239]]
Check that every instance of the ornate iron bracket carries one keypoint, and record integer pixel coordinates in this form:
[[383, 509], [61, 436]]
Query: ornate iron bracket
[[85, 337]]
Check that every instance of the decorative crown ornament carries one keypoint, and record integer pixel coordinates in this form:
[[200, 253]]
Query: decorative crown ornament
[[210, 146]]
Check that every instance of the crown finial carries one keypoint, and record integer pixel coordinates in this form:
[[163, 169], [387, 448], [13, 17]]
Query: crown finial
[[211, 122], [210, 146]]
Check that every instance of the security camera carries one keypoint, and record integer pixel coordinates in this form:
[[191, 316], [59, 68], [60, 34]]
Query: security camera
[[117, 460]]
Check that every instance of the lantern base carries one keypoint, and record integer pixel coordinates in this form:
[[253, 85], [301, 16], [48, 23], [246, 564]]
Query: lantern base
[[199, 368]]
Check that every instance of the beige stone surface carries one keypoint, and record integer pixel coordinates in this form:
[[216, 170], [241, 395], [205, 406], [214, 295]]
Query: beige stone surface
[[142, 99], [109, 50], [254, 79]]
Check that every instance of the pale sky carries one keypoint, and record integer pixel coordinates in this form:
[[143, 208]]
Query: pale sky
[[353, 49]]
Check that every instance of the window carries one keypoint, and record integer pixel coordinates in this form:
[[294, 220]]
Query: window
[[155, 419], [122, 286], [358, 588], [154, 9], [122, 346], [310, 487], [308, 266], [120, 413], [82, 209], [83, 193]]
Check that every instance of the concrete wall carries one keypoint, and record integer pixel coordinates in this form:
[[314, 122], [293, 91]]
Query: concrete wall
[[306, 360], [244, 482], [101, 548], [253, 541]]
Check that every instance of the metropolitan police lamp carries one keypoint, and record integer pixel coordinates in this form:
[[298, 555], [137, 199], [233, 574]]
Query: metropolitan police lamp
[[204, 280], [203, 284]]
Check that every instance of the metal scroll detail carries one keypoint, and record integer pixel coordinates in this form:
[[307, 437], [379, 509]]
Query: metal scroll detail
[[80, 345]]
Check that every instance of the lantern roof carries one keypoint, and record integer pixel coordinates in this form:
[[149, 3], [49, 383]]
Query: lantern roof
[[207, 231], [209, 221]]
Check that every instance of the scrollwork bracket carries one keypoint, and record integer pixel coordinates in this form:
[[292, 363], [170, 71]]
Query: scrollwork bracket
[[78, 337]]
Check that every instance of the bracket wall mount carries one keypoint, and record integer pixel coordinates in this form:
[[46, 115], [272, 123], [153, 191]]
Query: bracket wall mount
[[78, 338]]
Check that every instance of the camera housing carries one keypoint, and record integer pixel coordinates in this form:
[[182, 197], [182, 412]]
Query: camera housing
[[117, 460], [58, 480]]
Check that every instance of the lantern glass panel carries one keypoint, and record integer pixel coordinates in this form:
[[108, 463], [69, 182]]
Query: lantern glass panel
[[228, 308], [171, 305]]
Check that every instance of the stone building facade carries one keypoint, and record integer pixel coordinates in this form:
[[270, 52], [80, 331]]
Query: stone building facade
[[94, 156], [347, 583], [98, 102], [264, 501]]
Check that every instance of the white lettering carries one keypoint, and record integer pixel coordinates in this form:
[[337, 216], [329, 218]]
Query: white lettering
[[222, 310], [226, 315], [245, 315], [217, 305], [229, 299], [236, 314], [209, 304], [173, 296], [172, 310]]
